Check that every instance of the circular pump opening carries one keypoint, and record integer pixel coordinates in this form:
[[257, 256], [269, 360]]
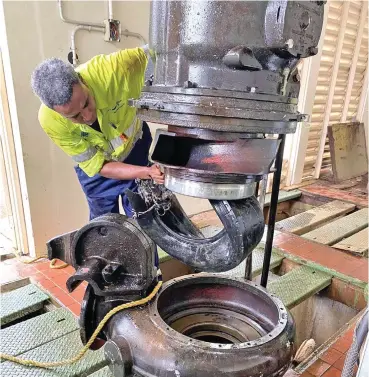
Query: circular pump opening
[[216, 309]]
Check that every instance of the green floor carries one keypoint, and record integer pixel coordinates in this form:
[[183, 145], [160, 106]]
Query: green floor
[[50, 336]]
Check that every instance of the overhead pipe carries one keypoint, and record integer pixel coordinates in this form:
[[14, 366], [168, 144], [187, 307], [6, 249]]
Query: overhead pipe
[[73, 39], [128, 33], [110, 10], [73, 22], [91, 26], [94, 28]]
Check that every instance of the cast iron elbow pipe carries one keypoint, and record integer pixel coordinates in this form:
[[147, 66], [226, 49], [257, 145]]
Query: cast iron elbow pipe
[[179, 222], [243, 223]]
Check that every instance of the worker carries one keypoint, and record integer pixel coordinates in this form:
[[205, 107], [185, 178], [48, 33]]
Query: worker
[[85, 112]]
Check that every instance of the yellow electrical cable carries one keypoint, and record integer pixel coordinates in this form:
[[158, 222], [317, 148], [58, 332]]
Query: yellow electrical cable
[[56, 267], [33, 260], [84, 349]]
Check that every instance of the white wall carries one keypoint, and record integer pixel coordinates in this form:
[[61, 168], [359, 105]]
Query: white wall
[[34, 33]]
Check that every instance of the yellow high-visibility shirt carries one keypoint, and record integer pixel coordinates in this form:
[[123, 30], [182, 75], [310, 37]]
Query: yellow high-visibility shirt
[[113, 80]]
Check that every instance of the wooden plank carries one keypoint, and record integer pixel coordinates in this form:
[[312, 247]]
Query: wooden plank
[[363, 98], [298, 185], [306, 221], [357, 243], [309, 80], [10, 157], [351, 78], [332, 86], [325, 192], [283, 196], [298, 285], [348, 150], [337, 230]]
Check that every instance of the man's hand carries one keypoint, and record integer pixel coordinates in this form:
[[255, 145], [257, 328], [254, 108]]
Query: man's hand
[[155, 173], [120, 170]]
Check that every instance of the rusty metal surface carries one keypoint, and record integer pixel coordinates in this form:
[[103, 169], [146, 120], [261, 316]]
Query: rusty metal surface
[[60, 247], [204, 325], [116, 258], [220, 124], [113, 255], [199, 133], [229, 94], [218, 107]]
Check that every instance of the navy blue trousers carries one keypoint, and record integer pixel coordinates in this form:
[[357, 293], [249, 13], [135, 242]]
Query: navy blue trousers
[[103, 193]]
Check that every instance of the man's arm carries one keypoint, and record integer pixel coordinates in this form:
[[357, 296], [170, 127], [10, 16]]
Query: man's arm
[[120, 170], [91, 160], [130, 65]]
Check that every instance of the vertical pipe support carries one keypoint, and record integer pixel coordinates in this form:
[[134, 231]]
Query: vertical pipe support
[[264, 184], [257, 185], [110, 10], [272, 212], [248, 268]]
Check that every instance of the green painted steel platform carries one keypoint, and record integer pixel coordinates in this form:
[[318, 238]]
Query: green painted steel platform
[[58, 349], [35, 332], [299, 284], [257, 263], [339, 229], [47, 336], [356, 244], [104, 372], [21, 302], [306, 221]]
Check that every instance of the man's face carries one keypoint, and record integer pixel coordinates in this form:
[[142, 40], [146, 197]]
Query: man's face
[[81, 108]]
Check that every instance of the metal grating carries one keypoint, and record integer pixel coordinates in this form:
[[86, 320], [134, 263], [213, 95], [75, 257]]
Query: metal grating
[[20, 302], [357, 243], [299, 284], [283, 196], [335, 231], [104, 372], [37, 331], [257, 263], [306, 221], [56, 350]]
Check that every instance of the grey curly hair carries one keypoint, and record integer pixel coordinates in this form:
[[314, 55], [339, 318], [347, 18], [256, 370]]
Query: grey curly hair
[[52, 81]]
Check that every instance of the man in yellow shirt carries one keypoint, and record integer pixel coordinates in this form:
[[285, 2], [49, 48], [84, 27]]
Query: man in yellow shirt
[[85, 112]]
